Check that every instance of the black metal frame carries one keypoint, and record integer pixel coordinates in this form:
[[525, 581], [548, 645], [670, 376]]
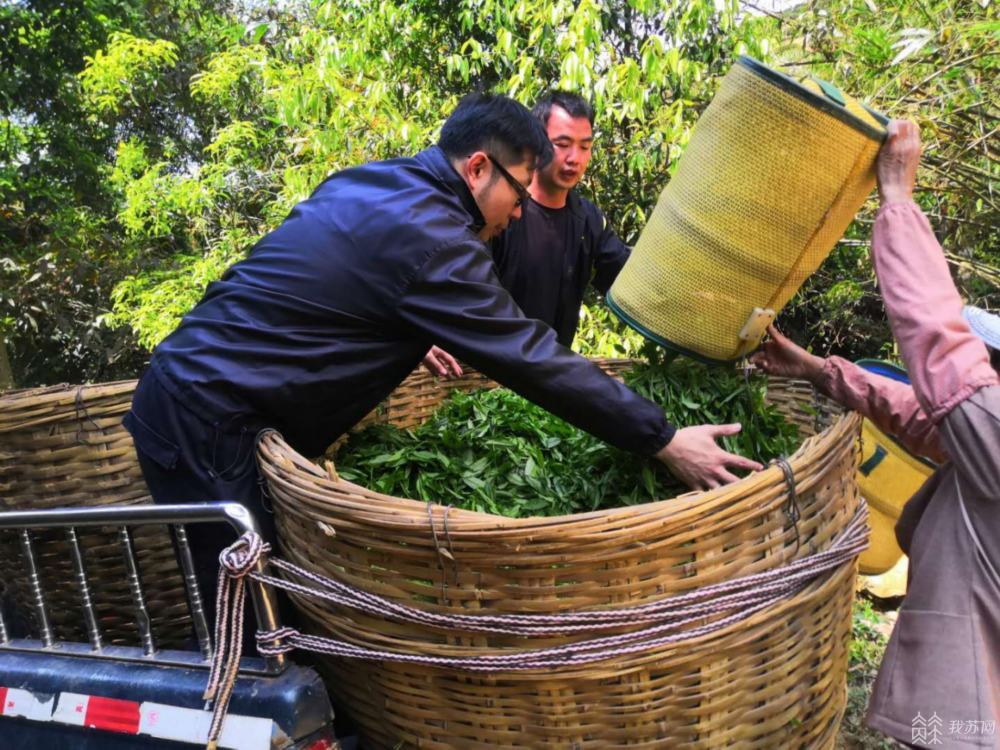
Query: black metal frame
[[124, 517]]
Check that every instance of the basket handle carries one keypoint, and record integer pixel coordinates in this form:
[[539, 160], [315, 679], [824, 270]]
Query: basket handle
[[831, 91]]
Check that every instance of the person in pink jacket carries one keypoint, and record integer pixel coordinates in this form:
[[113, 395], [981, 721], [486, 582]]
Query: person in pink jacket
[[939, 683]]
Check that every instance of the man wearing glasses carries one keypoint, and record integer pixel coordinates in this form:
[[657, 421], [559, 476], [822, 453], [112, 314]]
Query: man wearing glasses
[[561, 242], [335, 307]]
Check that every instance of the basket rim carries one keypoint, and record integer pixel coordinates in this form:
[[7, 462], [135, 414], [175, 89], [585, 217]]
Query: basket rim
[[30, 408], [388, 511], [656, 338], [46, 394], [824, 104]]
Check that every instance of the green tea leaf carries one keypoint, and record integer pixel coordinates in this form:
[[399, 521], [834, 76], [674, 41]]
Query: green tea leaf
[[496, 452]]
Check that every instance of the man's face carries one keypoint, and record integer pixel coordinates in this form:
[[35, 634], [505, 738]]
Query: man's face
[[572, 139], [496, 194]]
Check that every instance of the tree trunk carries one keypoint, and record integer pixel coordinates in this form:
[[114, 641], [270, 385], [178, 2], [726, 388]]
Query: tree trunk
[[6, 374]]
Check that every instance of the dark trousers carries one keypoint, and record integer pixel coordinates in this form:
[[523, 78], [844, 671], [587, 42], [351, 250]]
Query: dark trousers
[[186, 459]]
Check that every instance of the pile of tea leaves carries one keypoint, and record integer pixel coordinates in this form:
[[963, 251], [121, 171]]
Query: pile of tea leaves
[[495, 452]]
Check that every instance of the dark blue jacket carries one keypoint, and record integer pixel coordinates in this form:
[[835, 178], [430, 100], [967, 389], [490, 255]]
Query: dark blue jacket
[[335, 307], [596, 256]]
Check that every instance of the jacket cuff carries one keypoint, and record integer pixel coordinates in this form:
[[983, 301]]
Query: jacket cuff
[[664, 435], [900, 207]]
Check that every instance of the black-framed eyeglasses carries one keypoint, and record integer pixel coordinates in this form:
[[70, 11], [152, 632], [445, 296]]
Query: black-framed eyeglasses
[[522, 192]]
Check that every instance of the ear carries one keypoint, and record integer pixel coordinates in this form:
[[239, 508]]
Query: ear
[[476, 171], [476, 166]]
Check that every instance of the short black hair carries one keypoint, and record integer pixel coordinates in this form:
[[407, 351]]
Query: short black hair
[[574, 104], [994, 358], [500, 126]]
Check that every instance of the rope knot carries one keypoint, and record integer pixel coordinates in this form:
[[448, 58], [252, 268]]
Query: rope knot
[[792, 510], [236, 563], [240, 557], [274, 642]]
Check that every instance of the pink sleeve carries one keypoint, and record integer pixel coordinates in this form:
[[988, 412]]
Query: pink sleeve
[[890, 405], [945, 360]]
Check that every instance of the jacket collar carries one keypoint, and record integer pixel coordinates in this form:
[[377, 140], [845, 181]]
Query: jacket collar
[[434, 159], [575, 205]]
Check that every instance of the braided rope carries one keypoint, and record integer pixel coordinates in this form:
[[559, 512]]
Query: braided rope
[[236, 562], [575, 654], [724, 595], [792, 511], [78, 406], [668, 620]]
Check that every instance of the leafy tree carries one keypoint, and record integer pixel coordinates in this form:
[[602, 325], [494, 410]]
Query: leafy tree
[[936, 62], [147, 147], [60, 243], [295, 99]]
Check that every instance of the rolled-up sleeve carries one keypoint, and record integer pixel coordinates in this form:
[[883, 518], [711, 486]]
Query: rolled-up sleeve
[[946, 362]]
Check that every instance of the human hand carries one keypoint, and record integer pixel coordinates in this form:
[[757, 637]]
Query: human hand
[[897, 163], [783, 358], [694, 457], [442, 364]]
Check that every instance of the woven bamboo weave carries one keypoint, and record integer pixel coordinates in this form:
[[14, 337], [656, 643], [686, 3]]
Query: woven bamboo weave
[[777, 679], [63, 447]]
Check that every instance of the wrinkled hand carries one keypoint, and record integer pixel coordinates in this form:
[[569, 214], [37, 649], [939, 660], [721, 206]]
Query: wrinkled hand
[[694, 458], [897, 163], [442, 364], [783, 358]]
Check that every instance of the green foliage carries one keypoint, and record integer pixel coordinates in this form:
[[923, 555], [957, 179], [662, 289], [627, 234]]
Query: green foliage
[[293, 99], [165, 295], [145, 146], [129, 69], [62, 247], [936, 62], [868, 643], [494, 452], [601, 334]]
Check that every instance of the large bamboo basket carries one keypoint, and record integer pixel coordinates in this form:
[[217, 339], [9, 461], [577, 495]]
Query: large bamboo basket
[[777, 679], [63, 447]]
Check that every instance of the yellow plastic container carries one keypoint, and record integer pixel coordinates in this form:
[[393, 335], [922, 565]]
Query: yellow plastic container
[[888, 476], [773, 174]]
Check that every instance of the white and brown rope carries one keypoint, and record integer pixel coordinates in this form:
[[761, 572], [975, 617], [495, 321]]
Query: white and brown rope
[[668, 620]]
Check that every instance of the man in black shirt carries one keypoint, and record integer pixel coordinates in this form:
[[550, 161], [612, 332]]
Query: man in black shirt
[[562, 241], [536, 279]]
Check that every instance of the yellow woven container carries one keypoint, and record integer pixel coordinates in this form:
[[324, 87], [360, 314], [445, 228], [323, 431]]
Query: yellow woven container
[[888, 476], [773, 174]]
